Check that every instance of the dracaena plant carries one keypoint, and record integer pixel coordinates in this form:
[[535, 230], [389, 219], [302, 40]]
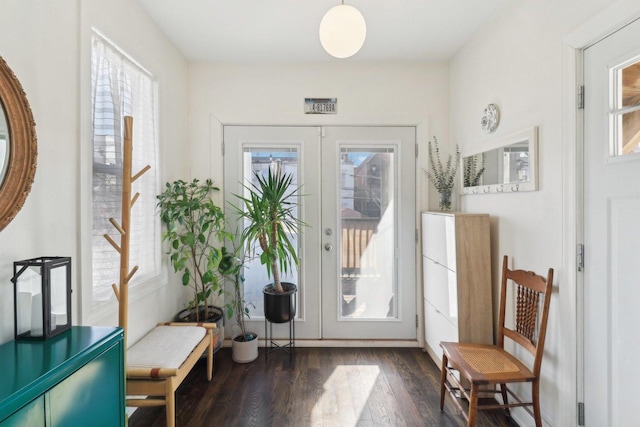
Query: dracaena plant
[[269, 208], [195, 227]]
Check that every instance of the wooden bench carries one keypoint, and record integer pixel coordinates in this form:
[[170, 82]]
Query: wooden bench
[[158, 363]]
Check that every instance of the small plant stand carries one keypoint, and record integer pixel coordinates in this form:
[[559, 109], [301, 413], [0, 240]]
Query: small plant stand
[[270, 345]]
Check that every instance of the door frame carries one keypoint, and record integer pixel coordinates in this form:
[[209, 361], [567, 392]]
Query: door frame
[[423, 130], [305, 140], [595, 29], [371, 138]]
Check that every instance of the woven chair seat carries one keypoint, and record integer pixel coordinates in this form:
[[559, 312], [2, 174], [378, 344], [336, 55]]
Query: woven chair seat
[[487, 360]]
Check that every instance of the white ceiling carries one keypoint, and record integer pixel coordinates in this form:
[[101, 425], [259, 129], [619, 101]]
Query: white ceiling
[[287, 30]]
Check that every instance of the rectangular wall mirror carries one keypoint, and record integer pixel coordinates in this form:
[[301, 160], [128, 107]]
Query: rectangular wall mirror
[[504, 165]]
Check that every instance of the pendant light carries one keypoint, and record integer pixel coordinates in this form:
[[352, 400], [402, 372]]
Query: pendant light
[[342, 31]]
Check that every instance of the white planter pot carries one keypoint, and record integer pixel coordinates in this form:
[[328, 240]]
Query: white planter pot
[[244, 351]]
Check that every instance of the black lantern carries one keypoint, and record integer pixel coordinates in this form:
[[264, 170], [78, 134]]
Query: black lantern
[[42, 297]]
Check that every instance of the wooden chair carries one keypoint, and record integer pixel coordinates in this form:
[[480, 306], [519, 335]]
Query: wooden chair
[[485, 366]]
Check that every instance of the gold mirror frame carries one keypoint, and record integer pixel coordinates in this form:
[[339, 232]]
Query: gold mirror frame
[[23, 152]]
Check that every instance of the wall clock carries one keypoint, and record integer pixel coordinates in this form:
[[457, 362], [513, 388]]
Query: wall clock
[[490, 118]]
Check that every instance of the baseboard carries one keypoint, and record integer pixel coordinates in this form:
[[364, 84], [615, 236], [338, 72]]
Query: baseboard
[[434, 356], [521, 416], [341, 343]]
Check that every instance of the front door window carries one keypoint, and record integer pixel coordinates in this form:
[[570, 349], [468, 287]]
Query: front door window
[[367, 211], [259, 160]]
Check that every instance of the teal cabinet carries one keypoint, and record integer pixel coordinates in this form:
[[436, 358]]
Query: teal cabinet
[[69, 380], [32, 414]]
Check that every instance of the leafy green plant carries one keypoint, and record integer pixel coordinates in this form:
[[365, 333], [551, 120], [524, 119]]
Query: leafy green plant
[[194, 224], [269, 208], [230, 268], [442, 177], [473, 170]]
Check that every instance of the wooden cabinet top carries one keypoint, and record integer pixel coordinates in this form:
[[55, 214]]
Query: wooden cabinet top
[[454, 213], [33, 367]]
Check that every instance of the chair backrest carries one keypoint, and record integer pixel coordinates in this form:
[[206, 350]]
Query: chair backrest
[[533, 295]]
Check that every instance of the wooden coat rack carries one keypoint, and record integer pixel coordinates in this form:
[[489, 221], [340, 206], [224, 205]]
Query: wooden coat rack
[[122, 291], [143, 377]]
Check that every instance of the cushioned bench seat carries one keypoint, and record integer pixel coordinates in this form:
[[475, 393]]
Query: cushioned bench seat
[[158, 363]]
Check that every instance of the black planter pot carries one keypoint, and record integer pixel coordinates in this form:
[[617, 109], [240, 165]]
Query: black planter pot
[[280, 307], [216, 315]]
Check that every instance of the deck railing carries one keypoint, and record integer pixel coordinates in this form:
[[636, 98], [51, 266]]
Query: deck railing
[[356, 236]]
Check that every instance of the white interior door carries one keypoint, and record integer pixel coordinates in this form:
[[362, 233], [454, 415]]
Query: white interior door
[[612, 228], [295, 150], [357, 276], [368, 233]]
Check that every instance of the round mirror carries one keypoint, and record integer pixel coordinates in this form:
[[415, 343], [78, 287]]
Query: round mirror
[[18, 147], [4, 145]]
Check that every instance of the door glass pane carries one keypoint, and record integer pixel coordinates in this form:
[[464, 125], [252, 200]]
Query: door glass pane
[[626, 112], [630, 85], [516, 163], [629, 132], [260, 160], [368, 288]]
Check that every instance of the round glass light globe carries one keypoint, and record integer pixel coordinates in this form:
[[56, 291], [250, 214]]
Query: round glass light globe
[[342, 31]]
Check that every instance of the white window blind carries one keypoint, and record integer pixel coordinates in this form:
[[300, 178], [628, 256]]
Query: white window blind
[[121, 88]]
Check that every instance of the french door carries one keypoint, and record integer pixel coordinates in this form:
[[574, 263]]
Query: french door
[[357, 273], [612, 227]]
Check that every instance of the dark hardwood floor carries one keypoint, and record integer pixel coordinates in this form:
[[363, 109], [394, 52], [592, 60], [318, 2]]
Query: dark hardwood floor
[[332, 387]]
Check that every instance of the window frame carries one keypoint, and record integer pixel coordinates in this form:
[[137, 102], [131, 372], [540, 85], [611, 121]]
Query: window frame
[[92, 311], [617, 111]]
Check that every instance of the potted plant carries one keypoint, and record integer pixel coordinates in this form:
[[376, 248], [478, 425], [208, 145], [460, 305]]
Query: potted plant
[[269, 209], [442, 177], [244, 344], [194, 224], [473, 170]]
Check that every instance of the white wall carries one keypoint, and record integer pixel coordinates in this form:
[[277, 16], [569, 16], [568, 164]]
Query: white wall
[[45, 43], [368, 94], [39, 40], [516, 62]]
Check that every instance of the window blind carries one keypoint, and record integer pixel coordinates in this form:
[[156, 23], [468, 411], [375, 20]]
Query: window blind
[[121, 88]]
